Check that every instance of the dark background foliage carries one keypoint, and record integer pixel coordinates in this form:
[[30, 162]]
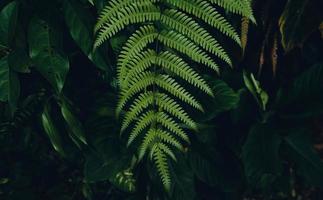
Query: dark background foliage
[[261, 137]]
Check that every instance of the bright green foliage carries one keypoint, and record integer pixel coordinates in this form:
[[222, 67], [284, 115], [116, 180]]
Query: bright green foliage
[[154, 60]]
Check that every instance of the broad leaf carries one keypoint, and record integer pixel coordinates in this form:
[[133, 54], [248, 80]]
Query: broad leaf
[[204, 168], [8, 19], [184, 181], [216, 169], [255, 89], [106, 161], [80, 24], [74, 125], [308, 162], [304, 97], [51, 64], [19, 61], [225, 99], [260, 155], [299, 19], [51, 130], [9, 84]]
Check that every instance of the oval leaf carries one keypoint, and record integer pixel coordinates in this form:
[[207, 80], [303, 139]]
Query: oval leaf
[[52, 65]]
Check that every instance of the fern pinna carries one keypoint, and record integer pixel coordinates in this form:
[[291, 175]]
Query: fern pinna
[[155, 57]]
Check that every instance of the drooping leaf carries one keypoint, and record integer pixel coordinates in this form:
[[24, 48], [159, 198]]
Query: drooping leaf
[[51, 130], [106, 161], [215, 169], [225, 98], [255, 89], [260, 155], [9, 84], [91, 2], [308, 162], [74, 125], [203, 168], [299, 19], [49, 62], [80, 23], [8, 20], [304, 97], [19, 61], [184, 181]]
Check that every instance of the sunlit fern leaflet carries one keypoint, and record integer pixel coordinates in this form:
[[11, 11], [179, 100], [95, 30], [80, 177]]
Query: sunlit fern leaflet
[[151, 62]]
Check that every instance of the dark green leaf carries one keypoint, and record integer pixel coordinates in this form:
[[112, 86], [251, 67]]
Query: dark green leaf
[[304, 98], [299, 19], [19, 61], [80, 24], [203, 168], [222, 171], [184, 181], [307, 161], [9, 84], [8, 19], [106, 162], [260, 155], [51, 64], [51, 130], [255, 89], [74, 125], [225, 98]]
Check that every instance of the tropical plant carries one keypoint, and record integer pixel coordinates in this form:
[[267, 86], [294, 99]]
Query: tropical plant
[[153, 59], [120, 99]]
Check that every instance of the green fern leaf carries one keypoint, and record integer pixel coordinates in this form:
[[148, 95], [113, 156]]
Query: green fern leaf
[[141, 103], [241, 7], [130, 15], [143, 122], [162, 165], [178, 66], [153, 58], [182, 44], [113, 9], [206, 12]]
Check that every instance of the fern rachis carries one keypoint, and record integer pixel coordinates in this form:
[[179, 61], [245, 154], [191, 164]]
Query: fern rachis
[[152, 67]]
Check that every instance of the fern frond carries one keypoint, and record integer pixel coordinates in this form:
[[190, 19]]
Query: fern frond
[[182, 44], [169, 139], [141, 103], [179, 67], [144, 121], [114, 7], [184, 24], [131, 15], [167, 150], [148, 140], [135, 44], [141, 82], [169, 123], [170, 85], [166, 33], [240, 7], [157, 136], [162, 165], [171, 106], [205, 11], [137, 65]]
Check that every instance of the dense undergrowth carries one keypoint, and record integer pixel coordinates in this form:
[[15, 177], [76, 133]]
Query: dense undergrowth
[[161, 99]]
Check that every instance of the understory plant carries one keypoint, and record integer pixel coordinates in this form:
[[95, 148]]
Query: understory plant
[[161, 100]]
